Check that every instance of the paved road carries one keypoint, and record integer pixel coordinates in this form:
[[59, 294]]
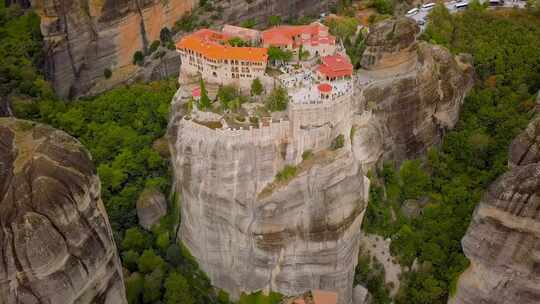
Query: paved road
[[421, 16]]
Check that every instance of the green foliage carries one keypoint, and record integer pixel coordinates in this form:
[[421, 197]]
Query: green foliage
[[153, 46], [385, 7], [274, 20], [237, 42], [130, 259], [259, 298], [286, 173], [250, 23], [152, 286], [230, 97], [138, 58], [177, 290], [370, 274], [107, 73], [455, 176], [277, 100], [149, 260], [135, 239], [165, 35], [204, 102], [338, 142], [256, 87], [187, 23], [277, 54], [20, 54], [342, 27], [307, 155], [134, 288], [415, 180]]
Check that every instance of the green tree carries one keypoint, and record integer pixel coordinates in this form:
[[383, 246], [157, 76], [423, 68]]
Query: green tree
[[152, 286], [204, 102], [130, 259], [277, 100], [149, 261], [385, 7], [274, 20], [256, 87], [135, 239], [415, 180], [134, 288], [165, 35], [177, 290], [441, 25], [237, 42], [276, 54], [250, 23], [138, 58]]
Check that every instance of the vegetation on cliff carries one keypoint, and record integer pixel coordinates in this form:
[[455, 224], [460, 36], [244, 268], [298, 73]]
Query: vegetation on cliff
[[506, 50]]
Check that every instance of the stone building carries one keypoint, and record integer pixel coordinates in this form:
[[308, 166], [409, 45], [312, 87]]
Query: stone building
[[207, 53], [313, 38]]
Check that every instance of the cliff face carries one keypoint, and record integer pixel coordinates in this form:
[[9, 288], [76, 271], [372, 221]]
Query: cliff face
[[55, 239], [413, 90], [503, 240], [83, 38], [304, 233]]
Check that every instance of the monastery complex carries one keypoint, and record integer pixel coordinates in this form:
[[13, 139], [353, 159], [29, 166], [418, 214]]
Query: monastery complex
[[318, 82]]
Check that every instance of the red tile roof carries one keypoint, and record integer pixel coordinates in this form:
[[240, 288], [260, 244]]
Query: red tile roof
[[325, 88], [336, 66], [284, 35]]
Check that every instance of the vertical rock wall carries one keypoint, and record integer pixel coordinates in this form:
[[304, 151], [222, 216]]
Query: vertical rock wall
[[56, 244], [503, 240]]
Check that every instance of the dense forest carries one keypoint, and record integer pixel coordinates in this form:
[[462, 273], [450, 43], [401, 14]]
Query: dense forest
[[123, 130], [448, 183]]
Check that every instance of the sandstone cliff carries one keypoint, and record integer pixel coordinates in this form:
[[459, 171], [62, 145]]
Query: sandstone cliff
[[55, 239], [503, 240], [83, 38], [412, 89]]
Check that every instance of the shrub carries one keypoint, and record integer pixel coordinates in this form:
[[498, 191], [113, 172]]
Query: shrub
[[250, 23], [107, 73], [338, 142], [385, 7], [165, 35], [256, 87], [154, 46], [277, 100], [307, 154], [138, 58], [287, 173]]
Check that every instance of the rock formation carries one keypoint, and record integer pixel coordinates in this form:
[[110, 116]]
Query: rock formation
[[84, 38], [151, 207], [55, 239], [250, 232], [503, 240], [413, 91]]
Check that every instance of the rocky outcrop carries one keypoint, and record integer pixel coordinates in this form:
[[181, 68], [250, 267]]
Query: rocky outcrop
[[249, 231], [84, 38], [503, 240], [300, 236], [55, 239], [151, 207], [413, 91]]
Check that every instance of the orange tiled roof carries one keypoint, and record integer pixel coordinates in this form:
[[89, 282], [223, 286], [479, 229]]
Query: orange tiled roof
[[207, 43], [324, 297], [283, 35]]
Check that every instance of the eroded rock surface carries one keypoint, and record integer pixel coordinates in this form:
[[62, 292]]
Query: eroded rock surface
[[84, 38], [55, 239], [412, 90], [151, 207], [503, 240]]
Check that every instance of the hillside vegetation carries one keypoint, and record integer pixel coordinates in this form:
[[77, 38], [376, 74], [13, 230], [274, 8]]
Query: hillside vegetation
[[450, 181]]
